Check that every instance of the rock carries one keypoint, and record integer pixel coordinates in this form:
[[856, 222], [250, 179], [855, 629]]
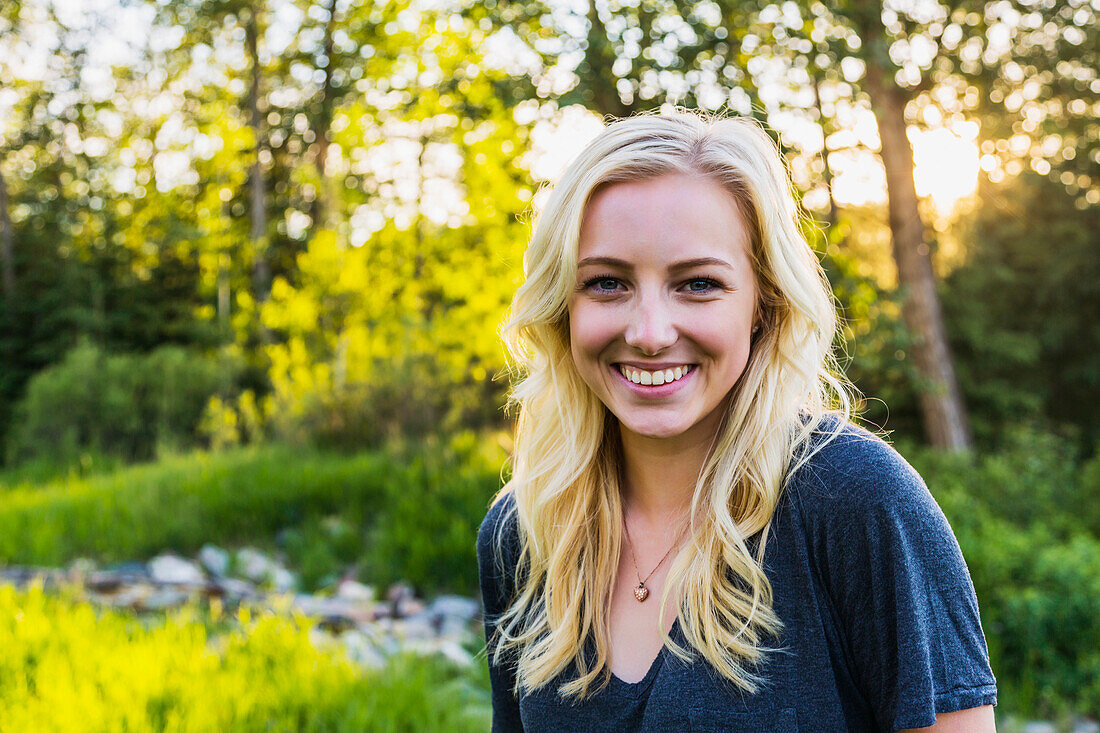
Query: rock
[[23, 576], [235, 588], [369, 630], [403, 601], [129, 596], [259, 568], [134, 569], [173, 569], [214, 559], [162, 599], [419, 626], [1040, 726], [453, 651], [450, 649], [334, 612], [81, 568], [104, 582], [362, 650], [464, 609], [355, 592]]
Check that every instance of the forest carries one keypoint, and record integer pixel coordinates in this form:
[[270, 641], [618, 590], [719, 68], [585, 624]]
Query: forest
[[255, 256]]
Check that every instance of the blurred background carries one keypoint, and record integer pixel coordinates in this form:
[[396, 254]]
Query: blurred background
[[254, 255]]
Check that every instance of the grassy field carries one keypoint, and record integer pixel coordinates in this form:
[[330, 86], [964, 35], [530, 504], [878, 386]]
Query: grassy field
[[1026, 520], [400, 515]]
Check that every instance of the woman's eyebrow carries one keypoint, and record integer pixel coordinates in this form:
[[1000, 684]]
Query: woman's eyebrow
[[675, 267]]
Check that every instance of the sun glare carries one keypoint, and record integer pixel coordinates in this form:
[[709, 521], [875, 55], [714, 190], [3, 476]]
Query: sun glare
[[946, 164]]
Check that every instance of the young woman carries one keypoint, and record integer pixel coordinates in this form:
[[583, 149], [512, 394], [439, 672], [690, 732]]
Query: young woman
[[694, 537]]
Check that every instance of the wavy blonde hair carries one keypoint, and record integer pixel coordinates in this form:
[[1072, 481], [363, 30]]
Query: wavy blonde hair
[[566, 462]]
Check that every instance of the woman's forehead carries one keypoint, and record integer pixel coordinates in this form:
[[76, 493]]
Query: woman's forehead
[[669, 219]]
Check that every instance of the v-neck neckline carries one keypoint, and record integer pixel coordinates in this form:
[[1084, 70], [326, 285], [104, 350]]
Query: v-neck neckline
[[635, 689]]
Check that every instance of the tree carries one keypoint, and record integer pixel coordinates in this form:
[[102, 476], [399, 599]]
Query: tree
[[1022, 317], [941, 401], [385, 324], [206, 22], [709, 55]]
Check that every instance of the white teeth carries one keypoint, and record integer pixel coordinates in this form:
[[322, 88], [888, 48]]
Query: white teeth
[[655, 378]]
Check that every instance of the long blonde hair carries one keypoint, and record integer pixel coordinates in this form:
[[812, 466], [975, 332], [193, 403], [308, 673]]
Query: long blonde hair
[[566, 473]]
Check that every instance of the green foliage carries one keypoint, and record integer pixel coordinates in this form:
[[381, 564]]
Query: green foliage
[[1021, 309], [427, 527], [1035, 479], [1023, 517], [125, 405], [874, 342], [408, 398], [68, 667], [392, 328], [411, 514]]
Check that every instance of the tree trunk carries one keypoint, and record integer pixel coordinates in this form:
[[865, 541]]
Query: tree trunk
[[941, 403], [599, 83], [815, 79], [223, 291], [7, 247], [261, 271], [325, 202]]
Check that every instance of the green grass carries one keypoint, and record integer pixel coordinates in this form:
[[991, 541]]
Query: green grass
[[409, 514]]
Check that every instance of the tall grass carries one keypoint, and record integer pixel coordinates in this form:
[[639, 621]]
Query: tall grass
[[407, 514]]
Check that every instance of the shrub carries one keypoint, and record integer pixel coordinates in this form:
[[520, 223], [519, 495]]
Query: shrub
[[68, 667], [1022, 519], [124, 405]]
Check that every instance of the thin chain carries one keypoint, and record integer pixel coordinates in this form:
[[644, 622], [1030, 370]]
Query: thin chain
[[630, 544]]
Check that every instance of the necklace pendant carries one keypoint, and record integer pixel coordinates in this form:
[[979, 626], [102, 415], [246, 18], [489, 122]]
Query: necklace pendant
[[641, 592]]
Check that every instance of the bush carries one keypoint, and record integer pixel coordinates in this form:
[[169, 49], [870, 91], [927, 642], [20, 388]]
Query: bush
[[1035, 480], [1024, 521], [407, 398], [1020, 310], [124, 405], [69, 667], [426, 529]]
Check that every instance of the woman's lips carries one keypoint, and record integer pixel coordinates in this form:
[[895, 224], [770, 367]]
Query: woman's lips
[[687, 371]]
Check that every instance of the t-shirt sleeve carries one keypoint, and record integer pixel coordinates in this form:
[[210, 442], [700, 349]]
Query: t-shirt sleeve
[[900, 588], [496, 565]]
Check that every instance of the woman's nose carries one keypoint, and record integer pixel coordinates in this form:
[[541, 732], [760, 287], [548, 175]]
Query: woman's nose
[[651, 328]]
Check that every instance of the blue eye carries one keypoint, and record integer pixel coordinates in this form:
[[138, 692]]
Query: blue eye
[[702, 285], [602, 284]]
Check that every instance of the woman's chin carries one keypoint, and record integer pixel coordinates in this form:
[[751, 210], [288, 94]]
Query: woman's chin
[[654, 430]]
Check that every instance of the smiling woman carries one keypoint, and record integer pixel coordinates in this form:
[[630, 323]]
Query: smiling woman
[[675, 439], [665, 281]]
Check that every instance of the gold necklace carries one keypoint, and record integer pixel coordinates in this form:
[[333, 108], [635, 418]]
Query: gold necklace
[[641, 592]]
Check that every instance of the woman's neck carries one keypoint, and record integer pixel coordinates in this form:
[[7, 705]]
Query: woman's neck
[[659, 475]]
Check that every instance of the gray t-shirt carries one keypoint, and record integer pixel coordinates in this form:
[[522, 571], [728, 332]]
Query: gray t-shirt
[[881, 627]]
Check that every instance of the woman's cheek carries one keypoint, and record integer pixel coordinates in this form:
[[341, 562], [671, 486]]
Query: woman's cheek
[[590, 333]]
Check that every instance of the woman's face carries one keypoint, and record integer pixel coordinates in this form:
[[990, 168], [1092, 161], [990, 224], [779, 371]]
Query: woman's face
[[662, 316]]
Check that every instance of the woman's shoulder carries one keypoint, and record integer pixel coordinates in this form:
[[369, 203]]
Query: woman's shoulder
[[499, 529], [498, 551], [852, 468]]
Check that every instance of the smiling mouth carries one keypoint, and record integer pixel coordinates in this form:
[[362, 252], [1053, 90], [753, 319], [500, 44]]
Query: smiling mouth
[[655, 378]]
